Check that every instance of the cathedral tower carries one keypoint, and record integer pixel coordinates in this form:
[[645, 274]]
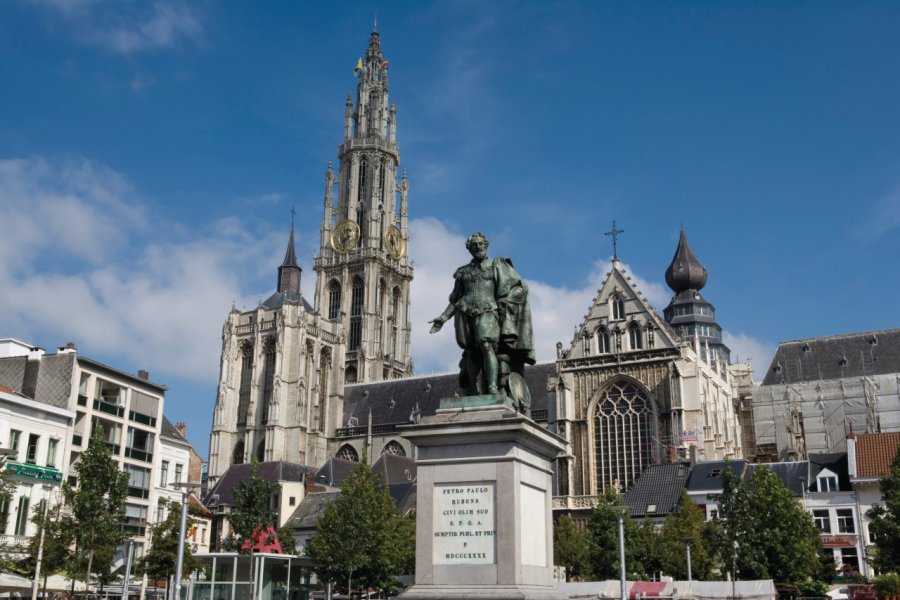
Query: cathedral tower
[[363, 272]]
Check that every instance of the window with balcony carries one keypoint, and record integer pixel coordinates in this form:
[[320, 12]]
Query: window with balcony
[[52, 444], [135, 521], [31, 453], [144, 409], [111, 432], [823, 521], [845, 520], [109, 398], [140, 444], [138, 481]]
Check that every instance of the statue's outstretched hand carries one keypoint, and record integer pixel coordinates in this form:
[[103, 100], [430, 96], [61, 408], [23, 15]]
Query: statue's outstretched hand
[[436, 325]]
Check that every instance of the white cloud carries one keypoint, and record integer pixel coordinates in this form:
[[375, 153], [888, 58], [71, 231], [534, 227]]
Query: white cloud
[[744, 347], [127, 27], [886, 216], [79, 261]]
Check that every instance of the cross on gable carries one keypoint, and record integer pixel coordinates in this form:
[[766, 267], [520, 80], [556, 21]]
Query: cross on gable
[[614, 234]]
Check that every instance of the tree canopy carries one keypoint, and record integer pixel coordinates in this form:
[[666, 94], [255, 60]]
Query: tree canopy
[[766, 534], [686, 526], [570, 548], [97, 509], [360, 541], [603, 539], [885, 524], [252, 508], [161, 560]]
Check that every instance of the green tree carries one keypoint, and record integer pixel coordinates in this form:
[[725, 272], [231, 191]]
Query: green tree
[[603, 539], [647, 550], [7, 490], [570, 548], [252, 508], [97, 508], [160, 561], [885, 524], [685, 526], [775, 538], [58, 538], [383, 543]]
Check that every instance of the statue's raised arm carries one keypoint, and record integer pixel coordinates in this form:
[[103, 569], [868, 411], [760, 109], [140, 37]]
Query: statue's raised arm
[[492, 319]]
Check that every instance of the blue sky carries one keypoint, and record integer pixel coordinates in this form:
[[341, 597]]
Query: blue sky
[[150, 153]]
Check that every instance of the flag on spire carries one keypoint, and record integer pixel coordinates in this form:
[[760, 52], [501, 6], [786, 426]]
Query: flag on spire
[[358, 69]]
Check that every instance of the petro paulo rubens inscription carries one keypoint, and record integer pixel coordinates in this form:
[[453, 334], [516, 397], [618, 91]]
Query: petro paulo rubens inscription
[[464, 524]]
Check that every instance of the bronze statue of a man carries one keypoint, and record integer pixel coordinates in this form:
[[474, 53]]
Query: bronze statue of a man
[[492, 318]]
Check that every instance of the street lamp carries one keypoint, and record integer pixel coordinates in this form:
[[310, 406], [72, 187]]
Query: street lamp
[[623, 592], [40, 554], [185, 487]]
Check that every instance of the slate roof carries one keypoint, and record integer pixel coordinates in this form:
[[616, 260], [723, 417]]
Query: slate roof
[[706, 476], [875, 452], [658, 485], [311, 509], [168, 430], [48, 380], [792, 474], [394, 469], [397, 400], [279, 299], [334, 471], [270, 471], [866, 353]]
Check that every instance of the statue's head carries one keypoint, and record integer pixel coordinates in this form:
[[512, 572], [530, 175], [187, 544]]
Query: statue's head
[[477, 244]]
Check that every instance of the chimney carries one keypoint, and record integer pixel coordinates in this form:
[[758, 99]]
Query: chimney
[[181, 427], [144, 374], [68, 348]]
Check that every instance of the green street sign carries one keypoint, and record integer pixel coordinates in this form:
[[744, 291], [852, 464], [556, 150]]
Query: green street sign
[[34, 472]]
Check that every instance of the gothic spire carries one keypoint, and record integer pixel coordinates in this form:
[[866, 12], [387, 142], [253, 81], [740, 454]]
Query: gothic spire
[[289, 271], [685, 273]]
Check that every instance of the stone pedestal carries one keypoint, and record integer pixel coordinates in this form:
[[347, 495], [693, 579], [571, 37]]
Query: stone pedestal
[[483, 520]]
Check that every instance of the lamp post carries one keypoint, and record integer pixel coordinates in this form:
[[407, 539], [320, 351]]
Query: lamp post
[[185, 487], [623, 591], [40, 554], [688, 546]]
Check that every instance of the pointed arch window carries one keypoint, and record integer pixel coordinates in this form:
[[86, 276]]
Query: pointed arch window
[[395, 316], [603, 340], [237, 455], [394, 447], [635, 336], [361, 186], [324, 379], [348, 452], [245, 384], [334, 300], [356, 309], [261, 451], [618, 307], [268, 383], [624, 429]]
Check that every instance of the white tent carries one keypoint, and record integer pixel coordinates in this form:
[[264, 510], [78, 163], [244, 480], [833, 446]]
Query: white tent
[[688, 590], [13, 583]]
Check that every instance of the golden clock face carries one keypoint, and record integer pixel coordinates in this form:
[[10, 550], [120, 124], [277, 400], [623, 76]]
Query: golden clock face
[[345, 236], [393, 241]]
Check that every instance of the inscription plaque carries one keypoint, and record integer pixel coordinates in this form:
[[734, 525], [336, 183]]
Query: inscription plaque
[[464, 524]]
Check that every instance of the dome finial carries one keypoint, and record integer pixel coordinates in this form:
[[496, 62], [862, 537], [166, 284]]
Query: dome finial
[[685, 272]]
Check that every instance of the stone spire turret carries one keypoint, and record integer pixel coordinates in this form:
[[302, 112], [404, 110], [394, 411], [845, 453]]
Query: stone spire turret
[[689, 314], [289, 271]]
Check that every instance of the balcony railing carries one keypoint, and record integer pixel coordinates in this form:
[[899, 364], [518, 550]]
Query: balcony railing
[[138, 454], [376, 430], [574, 502], [136, 492], [134, 529], [109, 408], [14, 541], [142, 418]]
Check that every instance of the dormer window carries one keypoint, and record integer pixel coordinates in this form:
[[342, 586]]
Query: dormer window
[[827, 481]]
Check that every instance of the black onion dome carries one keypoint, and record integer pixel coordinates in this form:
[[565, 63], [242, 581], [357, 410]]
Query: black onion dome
[[685, 272]]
